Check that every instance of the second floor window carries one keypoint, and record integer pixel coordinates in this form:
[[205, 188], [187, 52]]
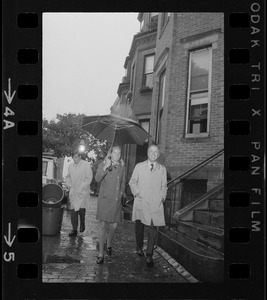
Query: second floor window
[[199, 91], [148, 71], [162, 81]]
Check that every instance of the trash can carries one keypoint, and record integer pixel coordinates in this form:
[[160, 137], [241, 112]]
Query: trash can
[[52, 220], [52, 195], [52, 212]]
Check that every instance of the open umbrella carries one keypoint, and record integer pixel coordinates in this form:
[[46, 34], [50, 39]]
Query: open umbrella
[[115, 129]]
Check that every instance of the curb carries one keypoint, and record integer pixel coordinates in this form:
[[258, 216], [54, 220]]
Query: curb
[[178, 267]]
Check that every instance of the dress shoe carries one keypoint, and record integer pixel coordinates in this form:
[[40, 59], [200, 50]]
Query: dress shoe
[[140, 252], [73, 233], [82, 228], [149, 261], [100, 260], [109, 251]]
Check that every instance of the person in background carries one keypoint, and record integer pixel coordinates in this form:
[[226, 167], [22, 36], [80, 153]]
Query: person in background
[[78, 181], [149, 187], [111, 176]]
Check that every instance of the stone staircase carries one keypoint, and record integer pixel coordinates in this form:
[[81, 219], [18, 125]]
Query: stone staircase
[[197, 240]]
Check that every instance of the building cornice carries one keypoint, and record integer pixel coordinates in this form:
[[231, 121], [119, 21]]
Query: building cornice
[[140, 38], [123, 86]]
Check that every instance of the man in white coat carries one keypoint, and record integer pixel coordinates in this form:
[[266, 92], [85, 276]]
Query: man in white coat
[[149, 187], [78, 180]]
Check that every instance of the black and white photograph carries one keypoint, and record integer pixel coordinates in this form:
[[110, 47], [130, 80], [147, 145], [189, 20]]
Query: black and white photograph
[[134, 150], [133, 147]]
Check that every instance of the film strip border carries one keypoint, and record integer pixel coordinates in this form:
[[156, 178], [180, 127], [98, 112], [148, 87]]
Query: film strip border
[[22, 139], [244, 153], [244, 143]]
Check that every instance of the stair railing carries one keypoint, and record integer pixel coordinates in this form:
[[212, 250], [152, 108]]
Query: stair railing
[[193, 184]]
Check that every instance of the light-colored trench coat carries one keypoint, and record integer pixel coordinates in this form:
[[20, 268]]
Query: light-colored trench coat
[[79, 179], [152, 187]]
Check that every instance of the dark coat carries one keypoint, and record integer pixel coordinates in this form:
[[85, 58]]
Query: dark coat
[[112, 186]]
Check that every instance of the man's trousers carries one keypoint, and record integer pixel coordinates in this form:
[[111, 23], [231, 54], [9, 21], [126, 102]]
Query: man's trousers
[[139, 236], [74, 218]]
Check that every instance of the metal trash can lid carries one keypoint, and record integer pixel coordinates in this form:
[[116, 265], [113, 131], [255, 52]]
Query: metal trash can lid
[[52, 194]]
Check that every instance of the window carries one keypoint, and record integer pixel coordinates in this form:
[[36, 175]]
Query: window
[[198, 91], [145, 124], [148, 71], [162, 82]]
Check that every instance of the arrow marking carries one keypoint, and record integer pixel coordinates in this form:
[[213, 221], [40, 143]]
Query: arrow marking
[[9, 97], [8, 240]]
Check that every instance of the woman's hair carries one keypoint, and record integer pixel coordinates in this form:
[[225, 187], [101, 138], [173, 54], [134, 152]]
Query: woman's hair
[[115, 147], [110, 151]]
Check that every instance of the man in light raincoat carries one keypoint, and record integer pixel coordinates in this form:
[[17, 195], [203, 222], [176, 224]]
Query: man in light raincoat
[[149, 187], [78, 180]]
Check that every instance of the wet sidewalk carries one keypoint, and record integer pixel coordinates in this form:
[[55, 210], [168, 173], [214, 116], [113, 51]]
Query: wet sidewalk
[[73, 259]]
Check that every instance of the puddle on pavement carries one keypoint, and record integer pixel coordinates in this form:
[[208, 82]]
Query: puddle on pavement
[[56, 259]]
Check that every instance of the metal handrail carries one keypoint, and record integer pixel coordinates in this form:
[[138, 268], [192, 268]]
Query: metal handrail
[[176, 182], [195, 168]]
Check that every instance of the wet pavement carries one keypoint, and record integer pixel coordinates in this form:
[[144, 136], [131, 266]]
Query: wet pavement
[[73, 259]]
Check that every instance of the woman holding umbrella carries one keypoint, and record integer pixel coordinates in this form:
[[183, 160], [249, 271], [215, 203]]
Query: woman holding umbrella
[[110, 175]]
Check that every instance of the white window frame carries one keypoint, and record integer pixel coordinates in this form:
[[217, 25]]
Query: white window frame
[[145, 74], [201, 101], [161, 104]]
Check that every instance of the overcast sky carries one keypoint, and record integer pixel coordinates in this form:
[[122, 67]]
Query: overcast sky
[[83, 58]]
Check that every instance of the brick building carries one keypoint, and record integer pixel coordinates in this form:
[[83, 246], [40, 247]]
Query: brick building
[[174, 86], [187, 124]]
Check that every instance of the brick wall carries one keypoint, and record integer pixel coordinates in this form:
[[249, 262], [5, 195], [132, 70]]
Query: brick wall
[[183, 153]]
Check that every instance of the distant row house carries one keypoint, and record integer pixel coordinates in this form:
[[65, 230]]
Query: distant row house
[[174, 87]]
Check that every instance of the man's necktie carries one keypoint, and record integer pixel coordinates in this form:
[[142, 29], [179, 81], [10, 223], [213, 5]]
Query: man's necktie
[[152, 166]]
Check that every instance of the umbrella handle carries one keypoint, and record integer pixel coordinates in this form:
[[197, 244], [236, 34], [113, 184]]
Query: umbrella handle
[[108, 156]]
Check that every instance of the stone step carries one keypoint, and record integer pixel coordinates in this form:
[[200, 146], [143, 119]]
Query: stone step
[[203, 262], [210, 218], [205, 234], [216, 205]]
